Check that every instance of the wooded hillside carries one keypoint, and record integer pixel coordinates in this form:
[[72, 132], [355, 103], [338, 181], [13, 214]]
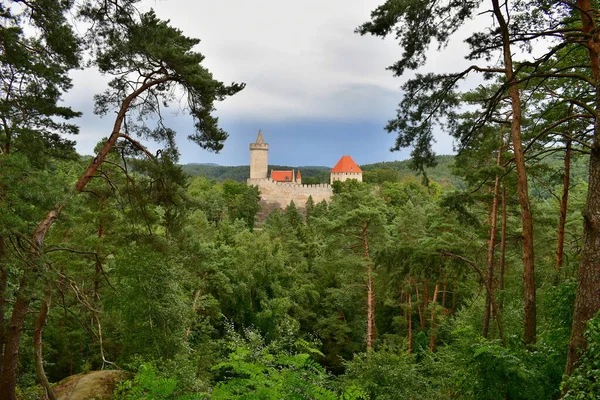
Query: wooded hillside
[[389, 171]]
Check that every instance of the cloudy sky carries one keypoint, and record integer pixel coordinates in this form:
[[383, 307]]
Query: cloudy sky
[[315, 88]]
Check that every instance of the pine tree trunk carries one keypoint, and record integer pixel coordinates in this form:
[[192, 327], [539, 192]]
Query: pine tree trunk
[[425, 301], [38, 343], [444, 290], [563, 209], [587, 300], [370, 309], [419, 308], [410, 331], [491, 247], [529, 335], [502, 263], [432, 325], [98, 266], [8, 382], [370, 291], [454, 289], [3, 283]]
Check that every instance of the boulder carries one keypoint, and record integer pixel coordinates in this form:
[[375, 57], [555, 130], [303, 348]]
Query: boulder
[[96, 385]]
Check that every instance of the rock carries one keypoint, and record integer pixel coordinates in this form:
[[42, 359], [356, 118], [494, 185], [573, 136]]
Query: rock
[[96, 385]]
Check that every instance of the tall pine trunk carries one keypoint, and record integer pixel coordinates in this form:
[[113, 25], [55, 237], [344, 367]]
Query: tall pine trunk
[[560, 245], [98, 265], [370, 291], [432, 324], [3, 283], [491, 247], [502, 262], [38, 342], [454, 289], [8, 381], [419, 308], [444, 290], [410, 330], [529, 335], [587, 300], [370, 309]]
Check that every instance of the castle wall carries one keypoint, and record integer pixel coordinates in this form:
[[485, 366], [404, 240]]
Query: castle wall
[[282, 193]]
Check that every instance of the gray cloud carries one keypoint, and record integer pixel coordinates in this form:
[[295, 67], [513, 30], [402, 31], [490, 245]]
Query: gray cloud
[[300, 60]]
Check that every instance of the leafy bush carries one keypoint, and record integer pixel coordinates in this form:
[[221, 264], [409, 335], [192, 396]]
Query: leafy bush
[[386, 375], [585, 381]]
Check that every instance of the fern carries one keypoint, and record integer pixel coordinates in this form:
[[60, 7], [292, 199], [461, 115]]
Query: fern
[[146, 385], [256, 371]]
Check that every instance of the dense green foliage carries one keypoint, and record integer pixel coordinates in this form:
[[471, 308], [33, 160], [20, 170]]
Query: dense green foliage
[[211, 306]]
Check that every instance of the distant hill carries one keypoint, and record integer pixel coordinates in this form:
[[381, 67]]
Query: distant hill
[[320, 174], [218, 172], [441, 173], [209, 164]]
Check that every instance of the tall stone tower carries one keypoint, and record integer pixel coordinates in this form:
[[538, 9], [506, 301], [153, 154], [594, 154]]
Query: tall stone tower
[[259, 163]]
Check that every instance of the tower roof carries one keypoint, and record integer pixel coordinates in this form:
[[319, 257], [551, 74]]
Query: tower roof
[[346, 164], [260, 143], [298, 176], [259, 138]]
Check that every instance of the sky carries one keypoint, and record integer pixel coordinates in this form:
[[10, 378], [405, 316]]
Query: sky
[[316, 89]]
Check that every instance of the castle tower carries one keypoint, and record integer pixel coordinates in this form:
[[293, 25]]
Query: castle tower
[[345, 169], [259, 158]]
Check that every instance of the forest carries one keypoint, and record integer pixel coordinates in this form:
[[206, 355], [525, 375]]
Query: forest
[[478, 282]]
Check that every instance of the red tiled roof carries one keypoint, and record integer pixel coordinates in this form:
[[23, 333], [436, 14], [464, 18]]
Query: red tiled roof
[[346, 164], [298, 176], [282, 176]]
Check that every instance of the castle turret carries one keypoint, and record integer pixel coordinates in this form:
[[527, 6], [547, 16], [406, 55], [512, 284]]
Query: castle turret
[[259, 158], [345, 169], [299, 178]]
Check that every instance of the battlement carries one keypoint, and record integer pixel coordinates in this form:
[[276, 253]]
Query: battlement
[[282, 193], [259, 146], [267, 181]]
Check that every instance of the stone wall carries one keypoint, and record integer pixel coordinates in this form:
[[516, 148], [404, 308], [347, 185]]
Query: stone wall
[[282, 193]]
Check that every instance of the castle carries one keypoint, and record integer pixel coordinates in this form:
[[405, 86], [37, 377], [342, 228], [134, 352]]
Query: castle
[[282, 187]]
